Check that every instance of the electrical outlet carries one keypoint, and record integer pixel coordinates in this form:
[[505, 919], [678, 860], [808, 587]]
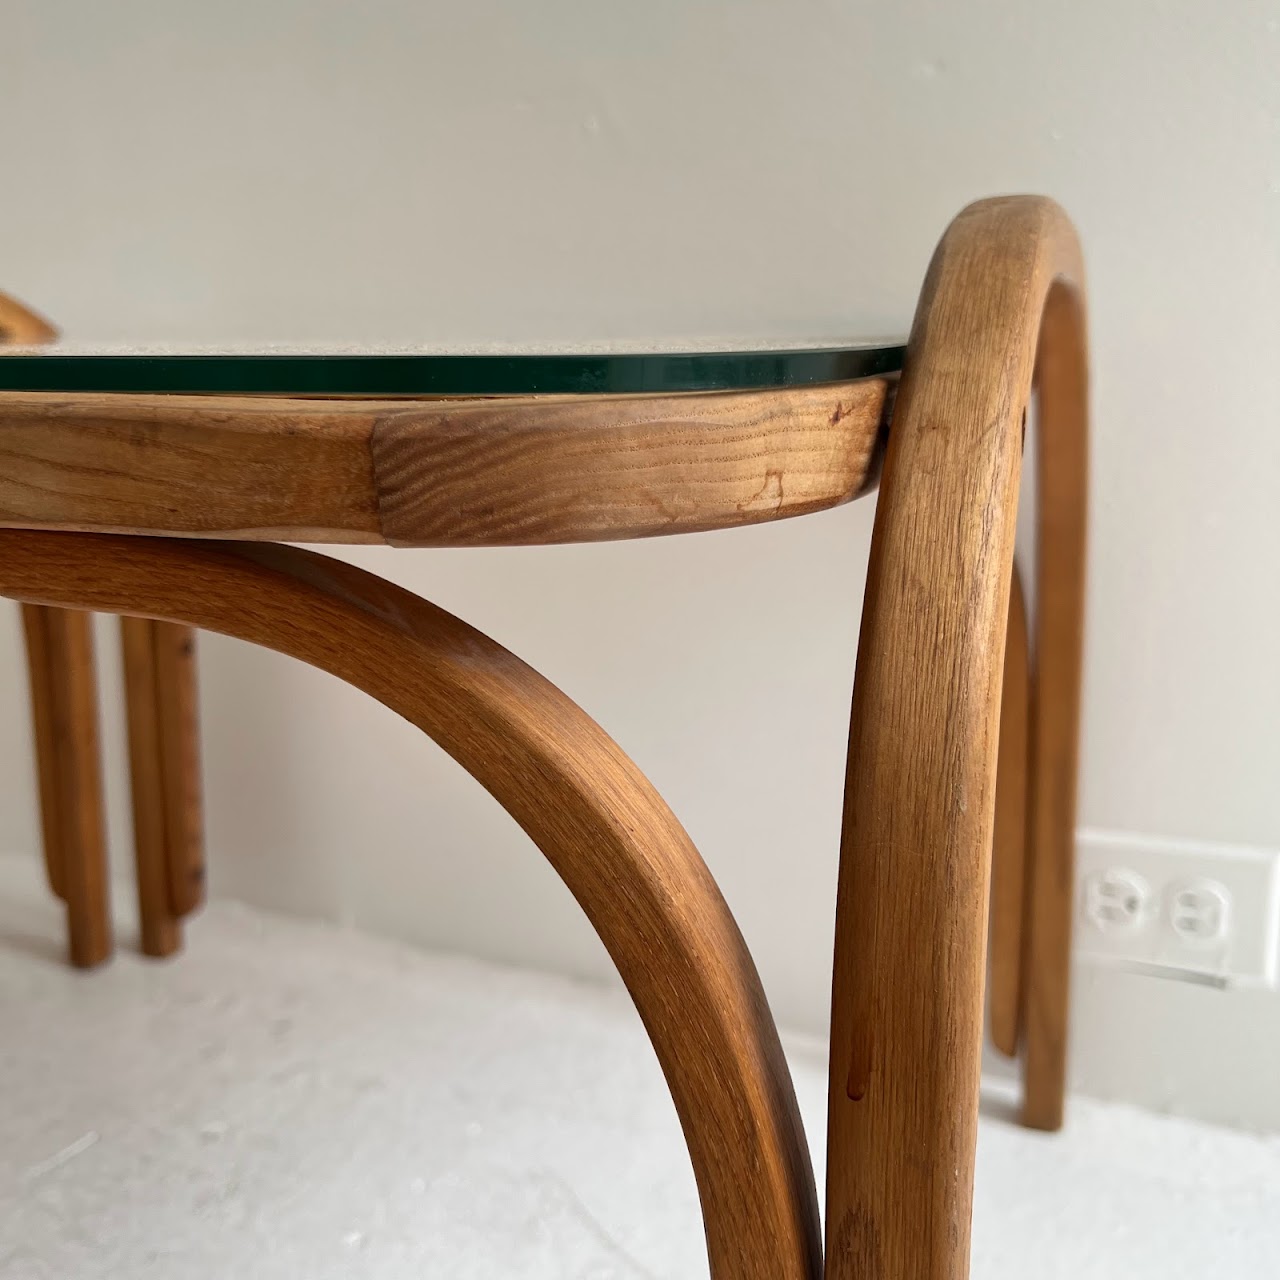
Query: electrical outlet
[[1117, 902], [1200, 912], [1178, 909]]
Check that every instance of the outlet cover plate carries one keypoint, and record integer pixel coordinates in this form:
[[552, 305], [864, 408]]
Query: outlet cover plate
[[1249, 954]]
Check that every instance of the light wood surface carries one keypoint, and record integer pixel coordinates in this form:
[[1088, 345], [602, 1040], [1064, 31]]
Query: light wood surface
[[434, 473], [915, 853], [580, 471], [587, 807], [65, 719], [1009, 842]]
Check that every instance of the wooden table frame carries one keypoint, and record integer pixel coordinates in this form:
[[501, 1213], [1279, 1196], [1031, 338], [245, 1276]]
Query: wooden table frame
[[169, 508]]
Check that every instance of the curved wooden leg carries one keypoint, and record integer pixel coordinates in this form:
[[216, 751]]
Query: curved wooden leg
[[164, 765], [1057, 655], [912, 902], [1009, 842], [64, 712], [43, 718], [597, 819]]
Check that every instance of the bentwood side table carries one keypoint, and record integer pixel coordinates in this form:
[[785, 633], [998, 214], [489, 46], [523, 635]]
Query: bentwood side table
[[163, 487]]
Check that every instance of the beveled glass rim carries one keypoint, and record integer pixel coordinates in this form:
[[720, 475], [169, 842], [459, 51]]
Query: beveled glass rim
[[416, 374]]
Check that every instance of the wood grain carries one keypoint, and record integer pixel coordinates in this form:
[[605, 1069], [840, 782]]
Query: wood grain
[[919, 806], [597, 819], [65, 719], [209, 465], [1009, 841], [588, 470], [434, 473]]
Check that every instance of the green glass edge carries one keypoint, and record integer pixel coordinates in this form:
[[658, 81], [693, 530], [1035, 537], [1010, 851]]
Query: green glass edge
[[443, 375]]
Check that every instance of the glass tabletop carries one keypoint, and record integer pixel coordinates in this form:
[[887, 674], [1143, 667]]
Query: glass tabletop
[[406, 372]]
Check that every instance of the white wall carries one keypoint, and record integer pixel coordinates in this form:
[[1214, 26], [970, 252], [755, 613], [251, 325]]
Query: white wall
[[497, 170]]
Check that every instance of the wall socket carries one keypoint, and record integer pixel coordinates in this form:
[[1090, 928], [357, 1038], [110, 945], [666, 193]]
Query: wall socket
[[1176, 909]]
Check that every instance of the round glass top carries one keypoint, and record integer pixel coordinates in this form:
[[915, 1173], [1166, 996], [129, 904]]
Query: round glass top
[[404, 372]]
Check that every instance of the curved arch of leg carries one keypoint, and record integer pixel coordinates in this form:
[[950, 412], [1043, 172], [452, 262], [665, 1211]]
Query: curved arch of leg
[[1002, 305], [589, 809]]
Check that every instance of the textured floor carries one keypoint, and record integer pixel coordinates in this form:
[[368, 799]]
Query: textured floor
[[294, 1101]]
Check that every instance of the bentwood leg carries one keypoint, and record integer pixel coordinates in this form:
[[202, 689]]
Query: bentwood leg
[[597, 819], [1033, 852], [1009, 842], [65, 719], [1057, 650], [160, 696], [911, 913]]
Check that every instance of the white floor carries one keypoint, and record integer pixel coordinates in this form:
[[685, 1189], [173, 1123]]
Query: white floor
[[293, 1100]]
